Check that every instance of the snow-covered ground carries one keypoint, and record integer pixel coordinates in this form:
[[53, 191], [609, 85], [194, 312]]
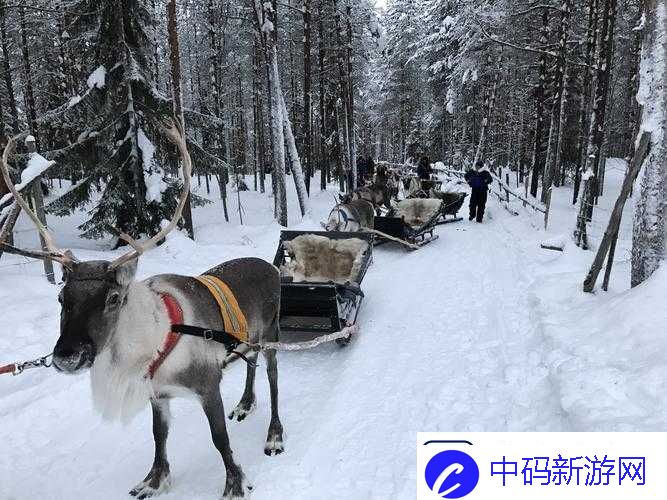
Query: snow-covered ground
[[481, 330]]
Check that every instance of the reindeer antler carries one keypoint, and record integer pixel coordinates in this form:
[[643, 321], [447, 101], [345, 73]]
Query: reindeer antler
[[174, 131], [53, 253]]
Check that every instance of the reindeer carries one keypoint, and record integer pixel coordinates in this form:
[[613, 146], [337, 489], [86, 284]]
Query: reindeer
[[114, 326], [379, 193], [355, 215]]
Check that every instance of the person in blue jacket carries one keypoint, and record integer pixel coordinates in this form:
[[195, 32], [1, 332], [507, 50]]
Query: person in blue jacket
[[479, 180]]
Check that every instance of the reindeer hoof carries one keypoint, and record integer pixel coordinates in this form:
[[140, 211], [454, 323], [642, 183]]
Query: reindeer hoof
[[274, 440], [237, 489], [274, 446], [242, 411], [155, 484]]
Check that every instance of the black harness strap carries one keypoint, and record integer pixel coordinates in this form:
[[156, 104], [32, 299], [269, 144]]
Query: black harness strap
[[220, 336], [346, 219]]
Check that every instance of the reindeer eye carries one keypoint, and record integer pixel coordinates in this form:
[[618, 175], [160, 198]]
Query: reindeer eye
[[113, 299]]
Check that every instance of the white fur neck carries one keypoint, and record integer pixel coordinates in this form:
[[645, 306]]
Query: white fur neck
[[120, 389]]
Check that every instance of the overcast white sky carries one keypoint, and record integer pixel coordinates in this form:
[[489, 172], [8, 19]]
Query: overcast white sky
[[381, 3]]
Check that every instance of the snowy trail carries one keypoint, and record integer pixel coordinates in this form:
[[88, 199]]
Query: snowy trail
[[479, 330], [447, 344]]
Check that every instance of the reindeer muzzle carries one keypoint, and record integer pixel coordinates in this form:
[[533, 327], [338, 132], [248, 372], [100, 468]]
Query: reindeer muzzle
[[72, 359]]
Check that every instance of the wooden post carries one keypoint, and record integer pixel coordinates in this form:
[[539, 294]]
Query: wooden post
[[37, 203]]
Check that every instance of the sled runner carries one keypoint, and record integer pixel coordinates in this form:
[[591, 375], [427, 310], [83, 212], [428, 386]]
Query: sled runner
[[412, 220], [321, 273]]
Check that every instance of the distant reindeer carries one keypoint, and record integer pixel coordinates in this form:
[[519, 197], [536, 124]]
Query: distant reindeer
[[379, 193], [115, 325], [355, 215]]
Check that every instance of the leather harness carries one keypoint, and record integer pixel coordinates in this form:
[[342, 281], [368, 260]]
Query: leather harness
[[235, 325]]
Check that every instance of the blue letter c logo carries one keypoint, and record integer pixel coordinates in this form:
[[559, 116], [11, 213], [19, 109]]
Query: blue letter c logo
[[451, 474]]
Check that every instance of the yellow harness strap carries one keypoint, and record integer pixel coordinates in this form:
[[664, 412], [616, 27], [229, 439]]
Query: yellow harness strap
[[232, 316]]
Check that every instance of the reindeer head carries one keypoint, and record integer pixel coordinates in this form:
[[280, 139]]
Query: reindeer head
[[91, 301], [95, 292], [345, 198]]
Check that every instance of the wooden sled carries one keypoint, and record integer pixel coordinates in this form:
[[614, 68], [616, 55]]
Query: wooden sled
[[321, 274], [413, 220]]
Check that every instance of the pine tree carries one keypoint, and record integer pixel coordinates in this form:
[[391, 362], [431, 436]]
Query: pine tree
[[116, 122]]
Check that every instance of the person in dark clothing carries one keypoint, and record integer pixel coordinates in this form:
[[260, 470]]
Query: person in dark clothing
[[424, 169], [362, 171], [370, 168], [479, 181]]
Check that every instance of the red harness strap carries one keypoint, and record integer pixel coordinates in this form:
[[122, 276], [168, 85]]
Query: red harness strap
[[175, 318]]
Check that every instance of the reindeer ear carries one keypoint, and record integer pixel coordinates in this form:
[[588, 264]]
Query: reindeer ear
[[67, 267], [65, 272], [125, 272]]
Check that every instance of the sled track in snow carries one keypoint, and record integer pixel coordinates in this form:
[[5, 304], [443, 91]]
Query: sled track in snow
[[447, 343]]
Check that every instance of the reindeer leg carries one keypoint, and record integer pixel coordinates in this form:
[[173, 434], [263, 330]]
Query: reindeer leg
[[158, 479], [247, 403], [274, 440], [235, 485]]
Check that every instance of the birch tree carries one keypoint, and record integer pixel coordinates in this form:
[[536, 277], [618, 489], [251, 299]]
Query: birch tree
[[650, 222]]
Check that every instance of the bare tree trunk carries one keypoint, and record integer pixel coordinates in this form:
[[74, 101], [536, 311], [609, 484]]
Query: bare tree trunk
[[307, 95], [488, 110], [340, 150], [177, 94], [538, 159], [295, 162], [650, 222], [7, 69], [351, 140], [553, 156], [632, 85], [214, 74], [584, 104], [343, 121], [596, 130], [266, 20], [277, 131], [259, 113], [324, 157], [27, 72]]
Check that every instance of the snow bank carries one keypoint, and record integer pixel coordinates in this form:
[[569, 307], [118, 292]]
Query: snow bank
[[608, 357]]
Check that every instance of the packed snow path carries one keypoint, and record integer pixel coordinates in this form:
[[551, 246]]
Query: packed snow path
[[447, 343]]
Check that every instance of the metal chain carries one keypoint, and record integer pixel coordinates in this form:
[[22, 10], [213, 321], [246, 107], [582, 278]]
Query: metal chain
[[43, 362]]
